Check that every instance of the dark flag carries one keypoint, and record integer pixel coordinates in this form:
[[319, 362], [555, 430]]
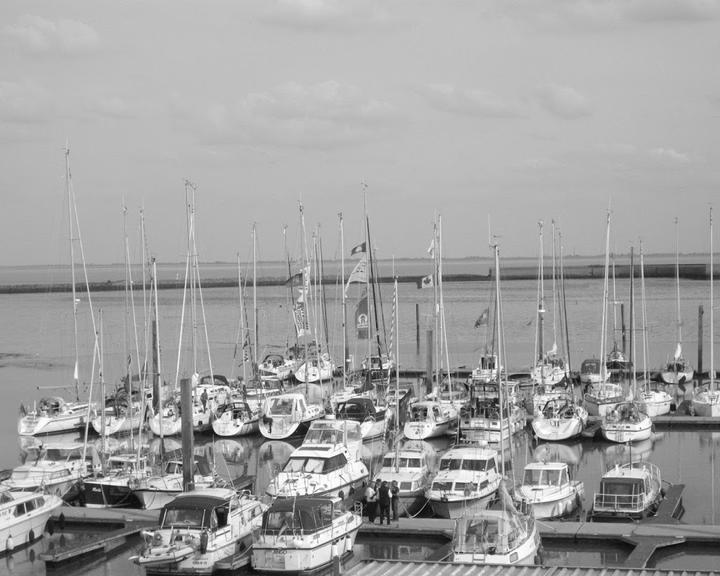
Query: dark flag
[[483, 318], [358, 249]]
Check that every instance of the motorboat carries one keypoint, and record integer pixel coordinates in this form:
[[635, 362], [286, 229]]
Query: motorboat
[[626, 423], [499, 535], [23, 516], [327, 463], [548, 489], [53, 468], [201, 532], [484, 423], [590, 371], [373, 418], [410, 469], [304, 534], [429, 419], [466, 481], [114, 488], [631, 491], [559, 419], [154, 492], [288, 415], [235, 418], [53, 415]]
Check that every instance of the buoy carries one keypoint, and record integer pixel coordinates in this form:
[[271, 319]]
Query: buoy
[[9, 546], [31, 535]]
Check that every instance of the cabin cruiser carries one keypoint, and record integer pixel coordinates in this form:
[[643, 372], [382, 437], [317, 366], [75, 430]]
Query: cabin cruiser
[[23, 516], [630, 491], [466, 481], [54, 468], [373, 419], [486, 371], [304, 534], [410, 469], [326, 463], [498, 535], [548, 489], [429, 419], [590, 371], [201, 532], [288, 415], [53, 415]]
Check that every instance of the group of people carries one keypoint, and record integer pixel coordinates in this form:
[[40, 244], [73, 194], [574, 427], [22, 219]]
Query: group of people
[[379, 499]]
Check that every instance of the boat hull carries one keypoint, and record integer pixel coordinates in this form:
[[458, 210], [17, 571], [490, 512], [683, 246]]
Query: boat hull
[[22, 530], [525, 554], [556, 429], [456, 506]]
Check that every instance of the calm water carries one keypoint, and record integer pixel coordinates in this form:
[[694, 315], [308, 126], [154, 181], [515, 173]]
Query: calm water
[[37, 349]]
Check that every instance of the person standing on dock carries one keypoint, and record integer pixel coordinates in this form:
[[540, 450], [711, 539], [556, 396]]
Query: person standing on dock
[[384, 501], [394, 498], [371, 501]]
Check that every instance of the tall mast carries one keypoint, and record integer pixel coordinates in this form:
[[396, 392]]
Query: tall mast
[[71, 232], [712, 333], [436, 307], [255, 310], [539, 352], [603, 328], [501, 351], [677, 280], [644, 315], [554, 291], [344, 299]]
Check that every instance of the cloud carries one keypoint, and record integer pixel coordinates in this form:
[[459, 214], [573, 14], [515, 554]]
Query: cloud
[[669, 156], [325, 14], [292, 114], [37, 35], [601, 14], [24, 103], [629, 156], [563, 101], [472, 102]]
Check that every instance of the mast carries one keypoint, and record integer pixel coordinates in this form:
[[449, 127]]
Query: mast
[[71, 232], [255, 309], [539, 352], [443, 325], [243, 334], [564, 318], [712, 333], [554, 290], [644, 315], [677, 280], [632, 321], [603, 328], [501, 351], [344, 300]]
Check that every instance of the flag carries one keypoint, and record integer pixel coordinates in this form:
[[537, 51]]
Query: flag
[[294, 278], [361, 318], [483, 318], [426, 281], [359, 273], [246, 349], [431, 248], [362, 247], [301, 321]]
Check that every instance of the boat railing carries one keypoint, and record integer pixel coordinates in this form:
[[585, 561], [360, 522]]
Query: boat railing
[[628, 502]]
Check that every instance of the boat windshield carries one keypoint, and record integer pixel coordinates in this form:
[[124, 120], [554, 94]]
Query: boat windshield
[[183, 517], [390, 462], [475, 464], [303, 516], [540, 477], [492, 535], [311, 465]]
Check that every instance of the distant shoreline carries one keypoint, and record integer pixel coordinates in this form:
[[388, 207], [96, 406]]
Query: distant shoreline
[[510, 273]]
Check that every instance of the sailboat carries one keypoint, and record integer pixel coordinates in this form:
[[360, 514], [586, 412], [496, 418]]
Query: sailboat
[[652, 402], [706, 398], [167, 421], [550, 369], [601, 397], [56, 414], [678, 370]]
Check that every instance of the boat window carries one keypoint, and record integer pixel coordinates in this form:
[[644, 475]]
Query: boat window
[[281, 406], [473, 464], [533, 477], [388, 462], [411, 463], [564, 479], [39, 502], [4, 497], [466, 486], [419, 413], [314, 465], [334, 463], [20, 509], [183, 517], [405, 485], [490, 464], [553, 477], [222, 516], [450, 464], [443, 486], [294, 465]]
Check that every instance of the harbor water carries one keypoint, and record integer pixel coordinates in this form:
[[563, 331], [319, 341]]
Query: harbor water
[[37, 350]]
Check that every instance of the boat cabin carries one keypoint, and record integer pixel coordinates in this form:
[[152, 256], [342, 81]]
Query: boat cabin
[[426, 411], [301, 515], [358, 409], [205, 509], [309, 461], [239, 410], [333, 432], [541, 474], [286, 405]]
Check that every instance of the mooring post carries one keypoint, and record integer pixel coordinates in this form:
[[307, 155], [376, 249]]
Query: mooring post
[[699, 372], [429, 361], [187, 434]]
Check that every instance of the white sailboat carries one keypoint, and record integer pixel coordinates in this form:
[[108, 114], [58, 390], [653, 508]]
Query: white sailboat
[[653, 402], [706, 398], [678, 370], [601, 397], [56, 414]]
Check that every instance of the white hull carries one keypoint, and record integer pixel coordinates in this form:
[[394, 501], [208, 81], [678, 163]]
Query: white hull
[[553, 502], [456, 506], [32, 425], [623, 432], [341, 483], [19, 530], [603, 399], [524, 555], [284, 428], [165, 425], [116, 424], [227, 427], [425, 430], [655, 403], [556, 429], [677, 377], [298, 555], [489, 430], [706, 403]]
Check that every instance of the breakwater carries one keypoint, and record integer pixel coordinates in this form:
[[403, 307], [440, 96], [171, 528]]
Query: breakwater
[[574, 272]]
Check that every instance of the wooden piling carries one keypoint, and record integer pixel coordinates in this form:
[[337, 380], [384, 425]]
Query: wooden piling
[[429, 340], [417, 328]]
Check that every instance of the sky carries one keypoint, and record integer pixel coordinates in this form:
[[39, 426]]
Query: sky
[[493, 114]]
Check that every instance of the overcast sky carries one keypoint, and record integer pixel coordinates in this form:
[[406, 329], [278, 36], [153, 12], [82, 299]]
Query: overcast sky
[[515, 109]]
